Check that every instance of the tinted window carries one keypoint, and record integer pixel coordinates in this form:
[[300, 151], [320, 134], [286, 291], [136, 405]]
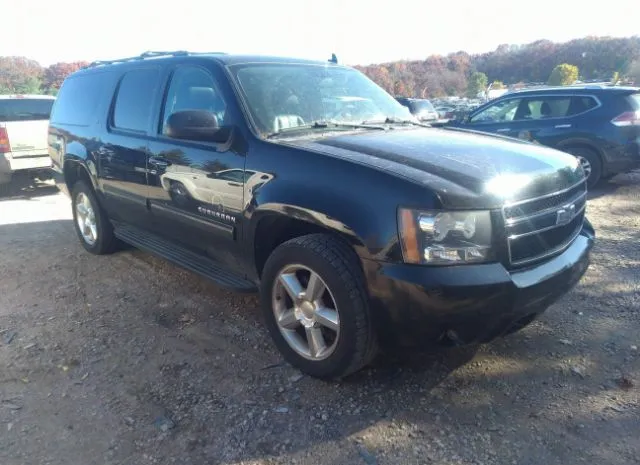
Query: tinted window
[[504, 110], [193, 88], [580, 104], [78, 99], [28, 109], [137, 89], [545, 107]]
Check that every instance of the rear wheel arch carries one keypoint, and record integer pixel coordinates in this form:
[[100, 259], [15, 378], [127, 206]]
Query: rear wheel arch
[[75, 171]]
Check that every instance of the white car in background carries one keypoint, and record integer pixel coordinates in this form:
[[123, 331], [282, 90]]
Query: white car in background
[[24, 121]]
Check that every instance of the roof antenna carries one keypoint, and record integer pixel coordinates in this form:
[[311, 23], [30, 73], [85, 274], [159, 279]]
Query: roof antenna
[[334, 59]]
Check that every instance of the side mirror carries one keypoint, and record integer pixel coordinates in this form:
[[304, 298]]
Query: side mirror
[[196, 125]]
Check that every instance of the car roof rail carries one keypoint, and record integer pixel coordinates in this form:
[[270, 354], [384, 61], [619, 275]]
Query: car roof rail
[[149, 54]]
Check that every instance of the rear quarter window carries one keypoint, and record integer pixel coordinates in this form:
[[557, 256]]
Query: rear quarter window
[[27, 109], [79, 97]]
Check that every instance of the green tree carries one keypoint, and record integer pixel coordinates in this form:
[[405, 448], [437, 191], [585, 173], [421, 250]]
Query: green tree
[[29, 85], [19, 75], [477, 83], [563, 75]]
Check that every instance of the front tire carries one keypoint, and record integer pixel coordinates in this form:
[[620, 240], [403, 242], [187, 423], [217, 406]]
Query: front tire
[[91, 223], [316, 307]]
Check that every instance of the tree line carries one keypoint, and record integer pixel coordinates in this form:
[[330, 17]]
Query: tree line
[[602, 58], [20, 75], [589, 58]]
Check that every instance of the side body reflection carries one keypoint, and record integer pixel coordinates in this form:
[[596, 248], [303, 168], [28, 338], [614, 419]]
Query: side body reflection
[[195, 170]]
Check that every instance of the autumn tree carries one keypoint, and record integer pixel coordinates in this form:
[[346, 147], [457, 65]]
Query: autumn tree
[[563, 75], [19, 75], [55, 74], [497, 85], [477, 83]]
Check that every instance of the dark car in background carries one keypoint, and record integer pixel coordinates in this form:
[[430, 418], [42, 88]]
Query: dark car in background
[[420, 108], [598, 124]]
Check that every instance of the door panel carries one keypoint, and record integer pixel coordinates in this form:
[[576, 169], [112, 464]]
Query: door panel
[[196, 189], [122, 151]]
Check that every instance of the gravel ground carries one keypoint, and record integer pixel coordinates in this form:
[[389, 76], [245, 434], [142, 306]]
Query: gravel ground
[[126, 359]]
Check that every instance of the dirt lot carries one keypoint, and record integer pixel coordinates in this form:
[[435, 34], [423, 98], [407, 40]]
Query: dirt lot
[[126, 359]]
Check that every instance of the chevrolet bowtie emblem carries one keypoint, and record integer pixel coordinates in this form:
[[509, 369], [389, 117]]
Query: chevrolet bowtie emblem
[[565, 215]]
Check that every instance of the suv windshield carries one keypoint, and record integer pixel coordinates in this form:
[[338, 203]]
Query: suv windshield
[[26, 109], [282, 96]]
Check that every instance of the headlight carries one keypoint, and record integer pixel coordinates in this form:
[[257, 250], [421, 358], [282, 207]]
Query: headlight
[[445, 237]]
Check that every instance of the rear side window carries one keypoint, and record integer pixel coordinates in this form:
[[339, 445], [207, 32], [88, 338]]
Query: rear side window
[[134, 101], [27, 109], [545, 107], [580, 104], [78, 99]]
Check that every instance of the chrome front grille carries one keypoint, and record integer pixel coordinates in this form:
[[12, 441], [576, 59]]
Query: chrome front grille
[[544, 226]]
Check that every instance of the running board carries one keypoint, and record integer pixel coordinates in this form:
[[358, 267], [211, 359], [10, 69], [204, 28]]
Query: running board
[[183, 257]]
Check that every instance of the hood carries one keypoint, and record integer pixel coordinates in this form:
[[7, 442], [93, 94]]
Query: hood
[[466, 169]]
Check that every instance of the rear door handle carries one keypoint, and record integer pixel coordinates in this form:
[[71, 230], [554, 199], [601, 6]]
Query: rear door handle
[[503, 130], [562, 126]]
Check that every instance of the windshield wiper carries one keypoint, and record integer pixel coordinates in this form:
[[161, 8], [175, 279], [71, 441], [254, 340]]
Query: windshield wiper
[[327, 125], [393, 120]]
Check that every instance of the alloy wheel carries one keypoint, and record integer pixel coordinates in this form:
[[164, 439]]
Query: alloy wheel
[[306, 312], [86, 219]]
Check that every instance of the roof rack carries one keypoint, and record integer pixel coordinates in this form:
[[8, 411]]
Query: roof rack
[[149, 54]]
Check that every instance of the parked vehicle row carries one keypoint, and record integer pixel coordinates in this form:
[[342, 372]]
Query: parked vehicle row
[[358, 228]]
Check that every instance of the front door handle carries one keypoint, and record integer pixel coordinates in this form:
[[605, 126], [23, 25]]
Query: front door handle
[[562, 126], [503, 130], [234, 184]]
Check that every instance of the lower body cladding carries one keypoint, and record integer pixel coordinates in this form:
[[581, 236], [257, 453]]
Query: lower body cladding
[[421, 306]]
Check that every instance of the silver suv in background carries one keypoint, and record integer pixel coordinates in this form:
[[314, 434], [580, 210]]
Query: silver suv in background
[[24, 121]]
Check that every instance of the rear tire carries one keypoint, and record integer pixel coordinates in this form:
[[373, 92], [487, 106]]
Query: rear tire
[[348, 341], [90, 221], [591, 161]]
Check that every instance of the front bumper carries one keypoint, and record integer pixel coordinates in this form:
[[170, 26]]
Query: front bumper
[[418, 305]]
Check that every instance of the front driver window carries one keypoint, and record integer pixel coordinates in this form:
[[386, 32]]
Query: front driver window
[[193, 88], [498, 112]]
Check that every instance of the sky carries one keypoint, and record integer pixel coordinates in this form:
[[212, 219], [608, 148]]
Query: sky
[[359, 32]]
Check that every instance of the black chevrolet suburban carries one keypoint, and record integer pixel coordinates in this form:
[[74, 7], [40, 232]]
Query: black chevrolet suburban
[[359, 225]]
